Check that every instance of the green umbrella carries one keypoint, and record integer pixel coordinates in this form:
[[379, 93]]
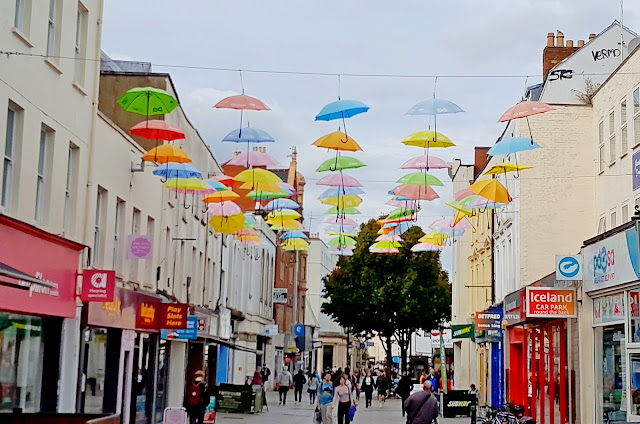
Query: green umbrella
[[400, 212], [420, 178], [342, 211], [147, 101], [387, 244], [342, 241], [260, 194], [339, 163]]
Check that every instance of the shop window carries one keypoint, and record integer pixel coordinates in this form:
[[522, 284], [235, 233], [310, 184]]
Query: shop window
[[610, 374], [95, 341], [634, 316]]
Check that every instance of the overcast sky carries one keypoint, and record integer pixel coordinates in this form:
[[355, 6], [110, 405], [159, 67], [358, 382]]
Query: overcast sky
[[409, 37]]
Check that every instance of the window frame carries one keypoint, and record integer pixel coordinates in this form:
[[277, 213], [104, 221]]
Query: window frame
[[613, 217], [98, 232], [8, 165], [80, 44], [51, 29], [624, 133], [118, 234], [624, 216], [613, 142], [70, 191], [43, 174], [601, 148], [636, 117]]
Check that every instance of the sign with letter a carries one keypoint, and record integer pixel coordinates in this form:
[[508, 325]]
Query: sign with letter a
[[98, 285]]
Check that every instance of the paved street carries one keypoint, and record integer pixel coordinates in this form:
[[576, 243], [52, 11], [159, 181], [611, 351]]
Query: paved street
[[301, 414]]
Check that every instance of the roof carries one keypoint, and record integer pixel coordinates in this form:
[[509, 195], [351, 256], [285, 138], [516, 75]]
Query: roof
[[615, 71]]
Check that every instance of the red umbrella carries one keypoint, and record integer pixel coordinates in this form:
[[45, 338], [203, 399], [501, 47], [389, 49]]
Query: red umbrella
[[241, 102], [224, 179], [523, 110], [157, 129], [415, 192]]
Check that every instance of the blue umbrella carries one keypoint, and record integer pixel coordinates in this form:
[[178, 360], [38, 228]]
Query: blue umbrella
[[248, 135], [281, 204], [434, 107], [340, 191], [341, 109], [177, 170], [401, 228], [293, 234], [512, 145]]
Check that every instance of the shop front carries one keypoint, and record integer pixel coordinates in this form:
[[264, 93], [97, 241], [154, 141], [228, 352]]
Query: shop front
[[488, 337], [37, 295]]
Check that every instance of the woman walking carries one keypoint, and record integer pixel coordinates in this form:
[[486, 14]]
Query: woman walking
[[383, 386], [312, 387], [325, 399], [367, 387], [343, 395], [298, 384]]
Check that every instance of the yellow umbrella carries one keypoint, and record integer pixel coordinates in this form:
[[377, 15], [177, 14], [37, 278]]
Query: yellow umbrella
[[289, 224], [492, 190], [192, 183], [284, 214], [459, 217], [506, 167], [348, 201], [427, 139], [220, 196], [166, 153], [227, 224], [262, 186], [295, 244], [257, 175], [432, 240], [435, 234], [459, 208], [337, 141]]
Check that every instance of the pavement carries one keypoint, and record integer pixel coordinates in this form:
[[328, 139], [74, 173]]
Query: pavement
[[291, 413]]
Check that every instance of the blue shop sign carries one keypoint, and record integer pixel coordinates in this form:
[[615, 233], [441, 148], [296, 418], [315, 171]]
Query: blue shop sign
[[189, 333]]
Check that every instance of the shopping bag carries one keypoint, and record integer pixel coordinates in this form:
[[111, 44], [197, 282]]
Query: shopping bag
[[317, 417], [352, 412]]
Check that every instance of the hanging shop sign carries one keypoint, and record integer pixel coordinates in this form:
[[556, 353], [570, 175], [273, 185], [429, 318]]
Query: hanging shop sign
[[551, 302], [190, 332], [271, 330], [464, 331], [174, 315], [98, 285], [129, 310], [280, 295], [140, 247], [489, 320], [513, 305], [568, 267], [446, 335], [611, 262], [608, 308]]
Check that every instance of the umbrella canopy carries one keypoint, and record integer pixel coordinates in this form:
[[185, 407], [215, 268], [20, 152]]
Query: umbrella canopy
[[293, 234], [461, 194], [289, 224], [492, 190], [348, 201], [427, 139], [339, 180], [415, 192], [339, 163], [434, 107], [340, 191], [166, 153], [177, 170], [341, 109], [512, 145], [337, 141], [281, 204], [482, 203], [341, 221], [388, 237], [216, 185], [220, 196], [342, 228], [157, 129], [257, 175], [248, 135], [288, 188], [252, 159], [226, 208], [247, 232], [227, 224], [249, 221], [341, 233], [524, 109], [241, 102], [248, 237], [245, 243], [459, 208], [186, 184], [400, 212], [147, 101], [425, 162], [295, 244], [224, 179], [400, 229], [342, 241], [284, 213], [341, 252], [406, 204], [506, 167], [265, 194], [426, 247], [421, 178], [342, 211]]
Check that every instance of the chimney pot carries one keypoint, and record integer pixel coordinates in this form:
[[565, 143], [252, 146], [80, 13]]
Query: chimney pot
[[560, 39], [591, 36], [236, 153], [569, 43], [551, 39], [580, 43]]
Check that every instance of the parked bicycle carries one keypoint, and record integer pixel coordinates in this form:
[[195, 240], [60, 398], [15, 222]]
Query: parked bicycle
[[508, 413]]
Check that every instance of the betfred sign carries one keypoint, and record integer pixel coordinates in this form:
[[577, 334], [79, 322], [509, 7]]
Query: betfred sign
[[489, 320], [550, 302], [174, 316], [98, 285]]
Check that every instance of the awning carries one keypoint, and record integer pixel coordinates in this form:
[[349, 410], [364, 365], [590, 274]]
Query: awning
[[8, 271]]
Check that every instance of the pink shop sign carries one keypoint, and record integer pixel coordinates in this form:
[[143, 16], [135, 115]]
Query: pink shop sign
[[140, 247]]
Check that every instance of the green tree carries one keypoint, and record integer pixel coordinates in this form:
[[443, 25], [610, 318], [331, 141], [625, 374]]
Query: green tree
[[392, 295]]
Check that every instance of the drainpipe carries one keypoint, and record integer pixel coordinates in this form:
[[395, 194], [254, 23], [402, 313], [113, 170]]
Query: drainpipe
[[493, 277]]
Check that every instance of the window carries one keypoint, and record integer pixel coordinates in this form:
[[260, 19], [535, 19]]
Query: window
[[8, 164], [624, 144], [101, 204], [624, 217], [602, 225], [151, 226], [118, 233], [636, 116], [44, 159], [70, 186], [51, 29], [610, 351], [612, 137], [19, 17], [80, 44], [613, 221], [601, 162], [636, 203], [135, 230]]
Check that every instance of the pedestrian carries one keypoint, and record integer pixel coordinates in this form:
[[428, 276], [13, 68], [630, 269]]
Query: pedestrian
[[404, 389], [325, 399], [196, 398], [435, 381], [257, 378], [367, 387], [312, 387], [299, 381], [474, 404], [382, 385], [345, 400], [423, 376], [265, 372], [422, 407], [285, 382]]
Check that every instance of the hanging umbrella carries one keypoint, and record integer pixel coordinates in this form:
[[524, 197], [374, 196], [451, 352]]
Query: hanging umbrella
[[341, 252], [339, 163], [177, 170], [226, 208], [257, 175], [247, 232], [482, 203], [425, 162], [220, 196], [342, 241], [406, 204], [421, 178], [389, 237], [263, 186], [389, 250], [157, 129], [416, 192], [286, 225], [249, 243], [512, 145], [400, 212], [241, 102], [293, 234], [427, 139], [347, 201], [284, 213], [426, 247], [216, 185], [341, 233], [340, 221], [255, 158], [247, 237], [147, 101], [249, 221], [345, 228], [339, 180], [288, 188], [401, 228], [224, 179], [461, 194], [340, 191], [186, 185], [524, 109], [342, 211], [166, 153], [492, 190], [459, 208], [506, 167], [337, 141], [434, 107], [248, 135], [265, 194], [227, 224], [341, 109], [295, 244], [281, 204]]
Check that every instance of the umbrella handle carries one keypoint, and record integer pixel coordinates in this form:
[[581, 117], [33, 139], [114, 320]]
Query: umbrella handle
[[184, 203], [165, 178]]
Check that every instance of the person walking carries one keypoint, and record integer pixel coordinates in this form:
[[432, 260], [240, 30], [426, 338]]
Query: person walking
[[196, 398], [423, 376], [325, 399], [257, 378], [285, 382], [265, 372], [367, 387], [312, 387], [299, 381], [422, 407], [404, 389], [345, 400], [382, 385]]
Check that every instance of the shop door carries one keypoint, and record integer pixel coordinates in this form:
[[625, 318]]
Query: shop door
[[634, 385]]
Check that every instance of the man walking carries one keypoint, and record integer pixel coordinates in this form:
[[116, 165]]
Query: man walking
[[404, 389], [196, 398], [285, 381], [422, 407]]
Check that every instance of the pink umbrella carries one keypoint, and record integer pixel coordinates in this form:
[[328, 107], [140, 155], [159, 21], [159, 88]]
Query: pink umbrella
[[340, 221], [523, 110], [252, 159], [246, 232], [226, 208], [241, 102], [388, 237], [384, 250], [338, 179], [461, 194], [426, 247], [407, 204], [415, 192], [448, 223], [425, 162], [288, 187]]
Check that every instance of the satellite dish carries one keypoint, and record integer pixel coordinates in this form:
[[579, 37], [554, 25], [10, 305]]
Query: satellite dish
[[633, 44]]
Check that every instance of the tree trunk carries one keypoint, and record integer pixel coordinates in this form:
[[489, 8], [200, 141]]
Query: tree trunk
[[403, 357], [389, 357]]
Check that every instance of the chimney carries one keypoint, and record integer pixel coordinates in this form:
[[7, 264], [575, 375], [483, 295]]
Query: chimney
[[236, 153], [480, 160], [591, 36], [556, 52], [580, 43]]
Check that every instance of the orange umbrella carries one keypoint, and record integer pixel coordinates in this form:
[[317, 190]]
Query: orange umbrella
[[337, 141], [166, 153], [523, 110], [492, 190], [220, 196]]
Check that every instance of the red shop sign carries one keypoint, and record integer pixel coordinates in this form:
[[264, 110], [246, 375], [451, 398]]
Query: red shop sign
[[148, 316], [129, 310], [98, 285], [174, 316]]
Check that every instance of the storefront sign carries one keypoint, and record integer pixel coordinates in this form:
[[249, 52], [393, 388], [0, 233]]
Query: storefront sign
[[188, 333], [129, 310], [174, 315], [464, 331], [446, 335], [224, 323], [98, 285], [548, 302], [489, 320], [203, 325], [458, 403], [280, 295], [611, 262], [514, 311], [608, 308], [271, 330], [140, 247], [568, 267]]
